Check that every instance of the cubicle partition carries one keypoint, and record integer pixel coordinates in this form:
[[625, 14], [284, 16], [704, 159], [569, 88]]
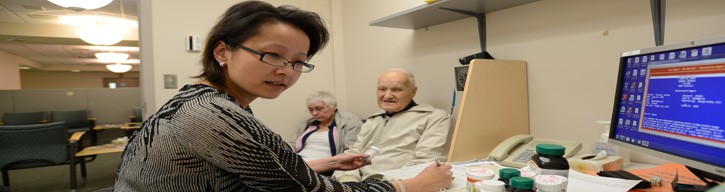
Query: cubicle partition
[[108, 106]]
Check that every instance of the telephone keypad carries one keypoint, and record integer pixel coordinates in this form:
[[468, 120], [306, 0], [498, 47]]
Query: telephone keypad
[[525, 156]]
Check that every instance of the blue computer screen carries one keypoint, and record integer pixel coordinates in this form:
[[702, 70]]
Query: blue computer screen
[[673, 101]]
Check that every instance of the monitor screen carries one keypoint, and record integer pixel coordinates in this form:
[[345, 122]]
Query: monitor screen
[[670, 103]]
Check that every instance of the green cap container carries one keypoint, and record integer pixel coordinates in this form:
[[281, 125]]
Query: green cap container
[[550, 149], [522, 183], [507, 173]]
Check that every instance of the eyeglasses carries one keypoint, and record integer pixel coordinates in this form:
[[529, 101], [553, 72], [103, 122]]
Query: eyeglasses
[[277, 61], [318, 109]]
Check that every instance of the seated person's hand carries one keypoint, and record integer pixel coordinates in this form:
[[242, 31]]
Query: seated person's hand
[[346, 162]]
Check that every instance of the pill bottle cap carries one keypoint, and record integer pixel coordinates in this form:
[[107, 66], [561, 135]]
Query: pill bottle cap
[[551, 182], [480, 173], [550, 149], [522, 183], [507, 173], [527, 173], [491, 185]]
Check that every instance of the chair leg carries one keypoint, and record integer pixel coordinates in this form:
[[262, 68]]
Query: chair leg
[[6, 178], [94, 137], [73, 167], [83, 170]]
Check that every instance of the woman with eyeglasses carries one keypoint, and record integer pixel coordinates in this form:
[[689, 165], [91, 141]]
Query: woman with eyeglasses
[[207, 139], [328, 132]]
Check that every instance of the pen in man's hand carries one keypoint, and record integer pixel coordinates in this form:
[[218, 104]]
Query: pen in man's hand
[[438, 163]]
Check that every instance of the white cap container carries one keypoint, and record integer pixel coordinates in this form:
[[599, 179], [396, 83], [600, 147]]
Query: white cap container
[[551, 183], [490, 186], [372, 152], [528, 173], [475, 174]]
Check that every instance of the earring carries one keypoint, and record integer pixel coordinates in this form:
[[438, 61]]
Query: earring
[[221, 64]]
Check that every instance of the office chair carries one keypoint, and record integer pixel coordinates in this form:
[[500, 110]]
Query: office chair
[[24, 118], [77, 121], [137, 114], [38, 145]]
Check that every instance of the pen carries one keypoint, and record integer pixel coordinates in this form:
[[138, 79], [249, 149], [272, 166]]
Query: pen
[[438, 163]]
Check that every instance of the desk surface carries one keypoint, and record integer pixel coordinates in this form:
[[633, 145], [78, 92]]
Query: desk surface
[[100, 149], [107, 126], [124, 126]]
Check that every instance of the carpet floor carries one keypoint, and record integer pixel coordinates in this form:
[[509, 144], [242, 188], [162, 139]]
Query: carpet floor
[[101, 174]]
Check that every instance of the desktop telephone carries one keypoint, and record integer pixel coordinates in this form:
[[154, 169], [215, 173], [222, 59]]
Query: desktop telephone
[[516, 151]]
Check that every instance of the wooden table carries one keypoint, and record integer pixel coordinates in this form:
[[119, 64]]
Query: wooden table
[[128, 127], [100, 149]]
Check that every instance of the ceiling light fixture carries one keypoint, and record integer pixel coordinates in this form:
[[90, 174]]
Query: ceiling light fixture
[[112, 57], [80, 5], [118, 68], [117, 58], [101, 35]]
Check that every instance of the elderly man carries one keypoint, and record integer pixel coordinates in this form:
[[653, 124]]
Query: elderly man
[[407, 133]]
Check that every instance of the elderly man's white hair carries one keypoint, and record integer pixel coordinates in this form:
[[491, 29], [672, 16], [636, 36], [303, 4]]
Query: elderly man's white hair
[[322, 96], [411, 77]]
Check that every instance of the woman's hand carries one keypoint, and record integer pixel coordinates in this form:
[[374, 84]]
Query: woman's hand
[[346, 162], [342, 162], [432, 178]]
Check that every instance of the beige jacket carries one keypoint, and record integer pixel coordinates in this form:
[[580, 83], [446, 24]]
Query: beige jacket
[[410, 137]]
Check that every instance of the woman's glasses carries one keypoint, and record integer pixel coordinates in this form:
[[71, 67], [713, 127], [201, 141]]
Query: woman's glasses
[[277, 61]]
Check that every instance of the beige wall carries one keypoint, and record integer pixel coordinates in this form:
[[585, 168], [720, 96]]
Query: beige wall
[[572, 49], [65, 80], [9, 72]]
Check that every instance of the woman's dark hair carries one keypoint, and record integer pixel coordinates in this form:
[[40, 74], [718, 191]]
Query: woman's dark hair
[[243, 20]]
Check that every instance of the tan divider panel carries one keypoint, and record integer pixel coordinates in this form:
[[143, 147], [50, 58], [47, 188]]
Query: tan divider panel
[[494, 107]]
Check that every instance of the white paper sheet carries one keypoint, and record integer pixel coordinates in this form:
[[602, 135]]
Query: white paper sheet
[[459, 172], [589, 183]]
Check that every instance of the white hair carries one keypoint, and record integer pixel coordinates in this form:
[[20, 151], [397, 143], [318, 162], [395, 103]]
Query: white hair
[[411, 77], [324, 97]]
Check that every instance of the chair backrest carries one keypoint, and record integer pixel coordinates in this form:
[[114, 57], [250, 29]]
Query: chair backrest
[[24, 118], [137, 114], [24, 146], [73, 119]]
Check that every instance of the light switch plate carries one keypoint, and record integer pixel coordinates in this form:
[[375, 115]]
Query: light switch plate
[[169, 81]]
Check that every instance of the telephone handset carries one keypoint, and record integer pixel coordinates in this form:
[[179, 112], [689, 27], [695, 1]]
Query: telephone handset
[[516, 151]]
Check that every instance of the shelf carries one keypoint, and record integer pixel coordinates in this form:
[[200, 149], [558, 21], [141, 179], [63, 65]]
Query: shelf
[[430, 14]]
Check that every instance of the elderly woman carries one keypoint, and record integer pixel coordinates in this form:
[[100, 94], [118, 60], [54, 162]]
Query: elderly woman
[[329, 132], [207, 139]]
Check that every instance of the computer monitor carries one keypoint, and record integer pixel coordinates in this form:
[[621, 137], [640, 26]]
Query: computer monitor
[[670, 103]]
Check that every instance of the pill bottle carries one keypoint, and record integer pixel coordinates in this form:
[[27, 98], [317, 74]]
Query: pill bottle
[[527, 173], [549, 160], [372, 152], [522, 184], [551, 183], [475, 174], [490, 186], [507, 173]]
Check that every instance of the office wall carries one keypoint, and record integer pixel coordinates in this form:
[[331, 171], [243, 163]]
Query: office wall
[[165, 24], [66, 79], [9, 72], [572, 49]]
